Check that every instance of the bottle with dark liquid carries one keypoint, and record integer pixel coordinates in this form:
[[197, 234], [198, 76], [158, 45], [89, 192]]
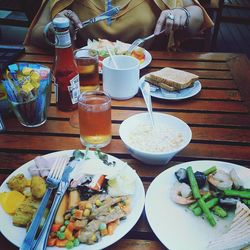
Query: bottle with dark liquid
[[67, 87]]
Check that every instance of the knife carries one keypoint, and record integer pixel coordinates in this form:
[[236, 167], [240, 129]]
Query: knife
[[41, 242], [105, 15]]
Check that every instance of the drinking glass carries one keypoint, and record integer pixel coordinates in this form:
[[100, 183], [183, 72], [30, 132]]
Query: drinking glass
[[95, 119], [87, 63]]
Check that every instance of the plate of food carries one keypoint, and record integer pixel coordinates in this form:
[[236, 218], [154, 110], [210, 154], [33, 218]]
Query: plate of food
[[172, 84], [117, 48], [180, 223], [107, 192]]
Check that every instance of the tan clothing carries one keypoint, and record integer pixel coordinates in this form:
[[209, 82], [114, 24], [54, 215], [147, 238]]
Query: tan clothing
[[137, 18]]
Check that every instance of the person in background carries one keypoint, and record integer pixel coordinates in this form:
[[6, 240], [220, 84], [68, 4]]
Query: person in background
[[181, 19]]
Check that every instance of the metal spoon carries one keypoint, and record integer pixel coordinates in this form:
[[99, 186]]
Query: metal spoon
[[145, 89]]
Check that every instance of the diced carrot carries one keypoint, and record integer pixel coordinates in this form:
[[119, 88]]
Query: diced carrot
[[51, 242], [68, 234], [112, 226], [55, 227], [104, 232], [71, 226], [99, 183], [61, 243], [78, 214]]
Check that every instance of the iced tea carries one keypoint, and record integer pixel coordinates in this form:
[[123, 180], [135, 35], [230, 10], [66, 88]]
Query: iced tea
[[88, 69], [95, 119]]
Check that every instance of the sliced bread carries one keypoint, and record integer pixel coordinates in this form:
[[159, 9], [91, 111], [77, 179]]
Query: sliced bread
[[175, 78], [238, 235], [160, 84]]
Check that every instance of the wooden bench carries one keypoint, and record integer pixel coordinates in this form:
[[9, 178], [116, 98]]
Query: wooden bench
[[227, 11]]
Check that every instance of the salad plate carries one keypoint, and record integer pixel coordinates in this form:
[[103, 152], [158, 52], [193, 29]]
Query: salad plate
[[118, 48], [16, 235], [161, 93], [175, 225]]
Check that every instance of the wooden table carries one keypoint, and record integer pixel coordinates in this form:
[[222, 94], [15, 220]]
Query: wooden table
[[218, 116]]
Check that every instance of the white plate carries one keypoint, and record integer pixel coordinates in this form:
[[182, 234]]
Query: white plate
[[175, 95], [176, 226], [145, 63], [16, 235]]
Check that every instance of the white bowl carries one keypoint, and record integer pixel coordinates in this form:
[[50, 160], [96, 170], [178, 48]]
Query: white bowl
[[154, 158]]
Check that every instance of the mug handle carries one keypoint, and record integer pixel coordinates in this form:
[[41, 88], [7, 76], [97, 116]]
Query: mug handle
[[45, 34]]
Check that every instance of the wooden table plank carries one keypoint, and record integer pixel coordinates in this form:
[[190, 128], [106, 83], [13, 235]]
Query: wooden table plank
[[219, 117]]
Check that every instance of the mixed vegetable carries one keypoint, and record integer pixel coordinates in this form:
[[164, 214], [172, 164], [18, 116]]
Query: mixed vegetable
[[209, 193]]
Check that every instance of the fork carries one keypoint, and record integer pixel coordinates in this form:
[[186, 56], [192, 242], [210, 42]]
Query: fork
[[139, 41], [52, 181]]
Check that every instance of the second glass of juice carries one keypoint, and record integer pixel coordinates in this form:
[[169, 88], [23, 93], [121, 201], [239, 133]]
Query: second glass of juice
[[87, 63], [95, 119]]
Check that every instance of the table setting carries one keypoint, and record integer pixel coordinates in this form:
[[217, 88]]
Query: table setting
[[121, 146]]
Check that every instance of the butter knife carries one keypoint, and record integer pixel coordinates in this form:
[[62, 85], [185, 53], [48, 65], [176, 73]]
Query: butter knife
[[41, 242]]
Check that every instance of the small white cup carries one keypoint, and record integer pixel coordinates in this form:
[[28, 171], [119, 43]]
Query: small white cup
[[121, 83]]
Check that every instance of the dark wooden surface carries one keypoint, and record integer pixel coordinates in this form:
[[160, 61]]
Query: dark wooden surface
[[219, 117]]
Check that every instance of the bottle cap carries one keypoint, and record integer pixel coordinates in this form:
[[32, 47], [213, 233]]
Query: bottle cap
[[61, 22]]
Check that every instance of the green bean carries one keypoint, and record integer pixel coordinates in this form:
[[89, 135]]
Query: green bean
[[193, 183], [238, 193], [207, 212], [219, 211], [246, 202], [204, 197], [211, 203], [210, 170], [197, 195]]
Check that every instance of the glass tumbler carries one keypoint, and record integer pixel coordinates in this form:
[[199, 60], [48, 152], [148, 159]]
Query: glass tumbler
[[95, 119]]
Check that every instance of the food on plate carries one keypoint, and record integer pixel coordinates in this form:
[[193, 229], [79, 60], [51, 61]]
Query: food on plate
[[214, 192], [38, 187], [10, 201], [96, 202], [23, 199], [238, 235], [117, 48], [149, 139], [18, 183], [25, 212], [171, 79]]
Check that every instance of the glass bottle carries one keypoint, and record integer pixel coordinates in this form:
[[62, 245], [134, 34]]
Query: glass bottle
[[67, 87]]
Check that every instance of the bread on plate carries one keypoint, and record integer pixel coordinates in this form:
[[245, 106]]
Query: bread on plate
[[238, 235], [171, 79]]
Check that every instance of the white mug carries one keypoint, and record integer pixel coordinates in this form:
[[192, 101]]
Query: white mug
[[121, 83]]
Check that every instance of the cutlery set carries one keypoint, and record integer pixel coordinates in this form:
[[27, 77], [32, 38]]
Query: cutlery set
[[58, 177]]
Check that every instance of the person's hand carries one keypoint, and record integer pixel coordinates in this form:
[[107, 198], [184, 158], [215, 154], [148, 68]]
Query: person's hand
[[74, 21], [171, 20]]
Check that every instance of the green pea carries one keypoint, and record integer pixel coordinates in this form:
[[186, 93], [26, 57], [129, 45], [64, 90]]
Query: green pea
[[73, 211], [66, 223], [76, 242], [62, 228], [102, 226], [60, 235], [69, 244]]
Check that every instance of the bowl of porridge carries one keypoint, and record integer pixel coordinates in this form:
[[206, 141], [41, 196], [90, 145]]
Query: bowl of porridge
[[158, 145]]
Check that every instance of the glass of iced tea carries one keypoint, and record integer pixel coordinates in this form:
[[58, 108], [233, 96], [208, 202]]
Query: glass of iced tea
[[87, 63], [95, 119]]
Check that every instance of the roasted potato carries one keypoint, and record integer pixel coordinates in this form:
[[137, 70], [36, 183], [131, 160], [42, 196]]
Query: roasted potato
[[25, 212], [38, 187], [18, 183]]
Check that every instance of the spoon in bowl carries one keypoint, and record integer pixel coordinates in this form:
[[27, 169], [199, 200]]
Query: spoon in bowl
[[145, 89]]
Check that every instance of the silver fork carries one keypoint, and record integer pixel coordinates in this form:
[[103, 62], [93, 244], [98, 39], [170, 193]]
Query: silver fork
[[139, 41], [52, 180]]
